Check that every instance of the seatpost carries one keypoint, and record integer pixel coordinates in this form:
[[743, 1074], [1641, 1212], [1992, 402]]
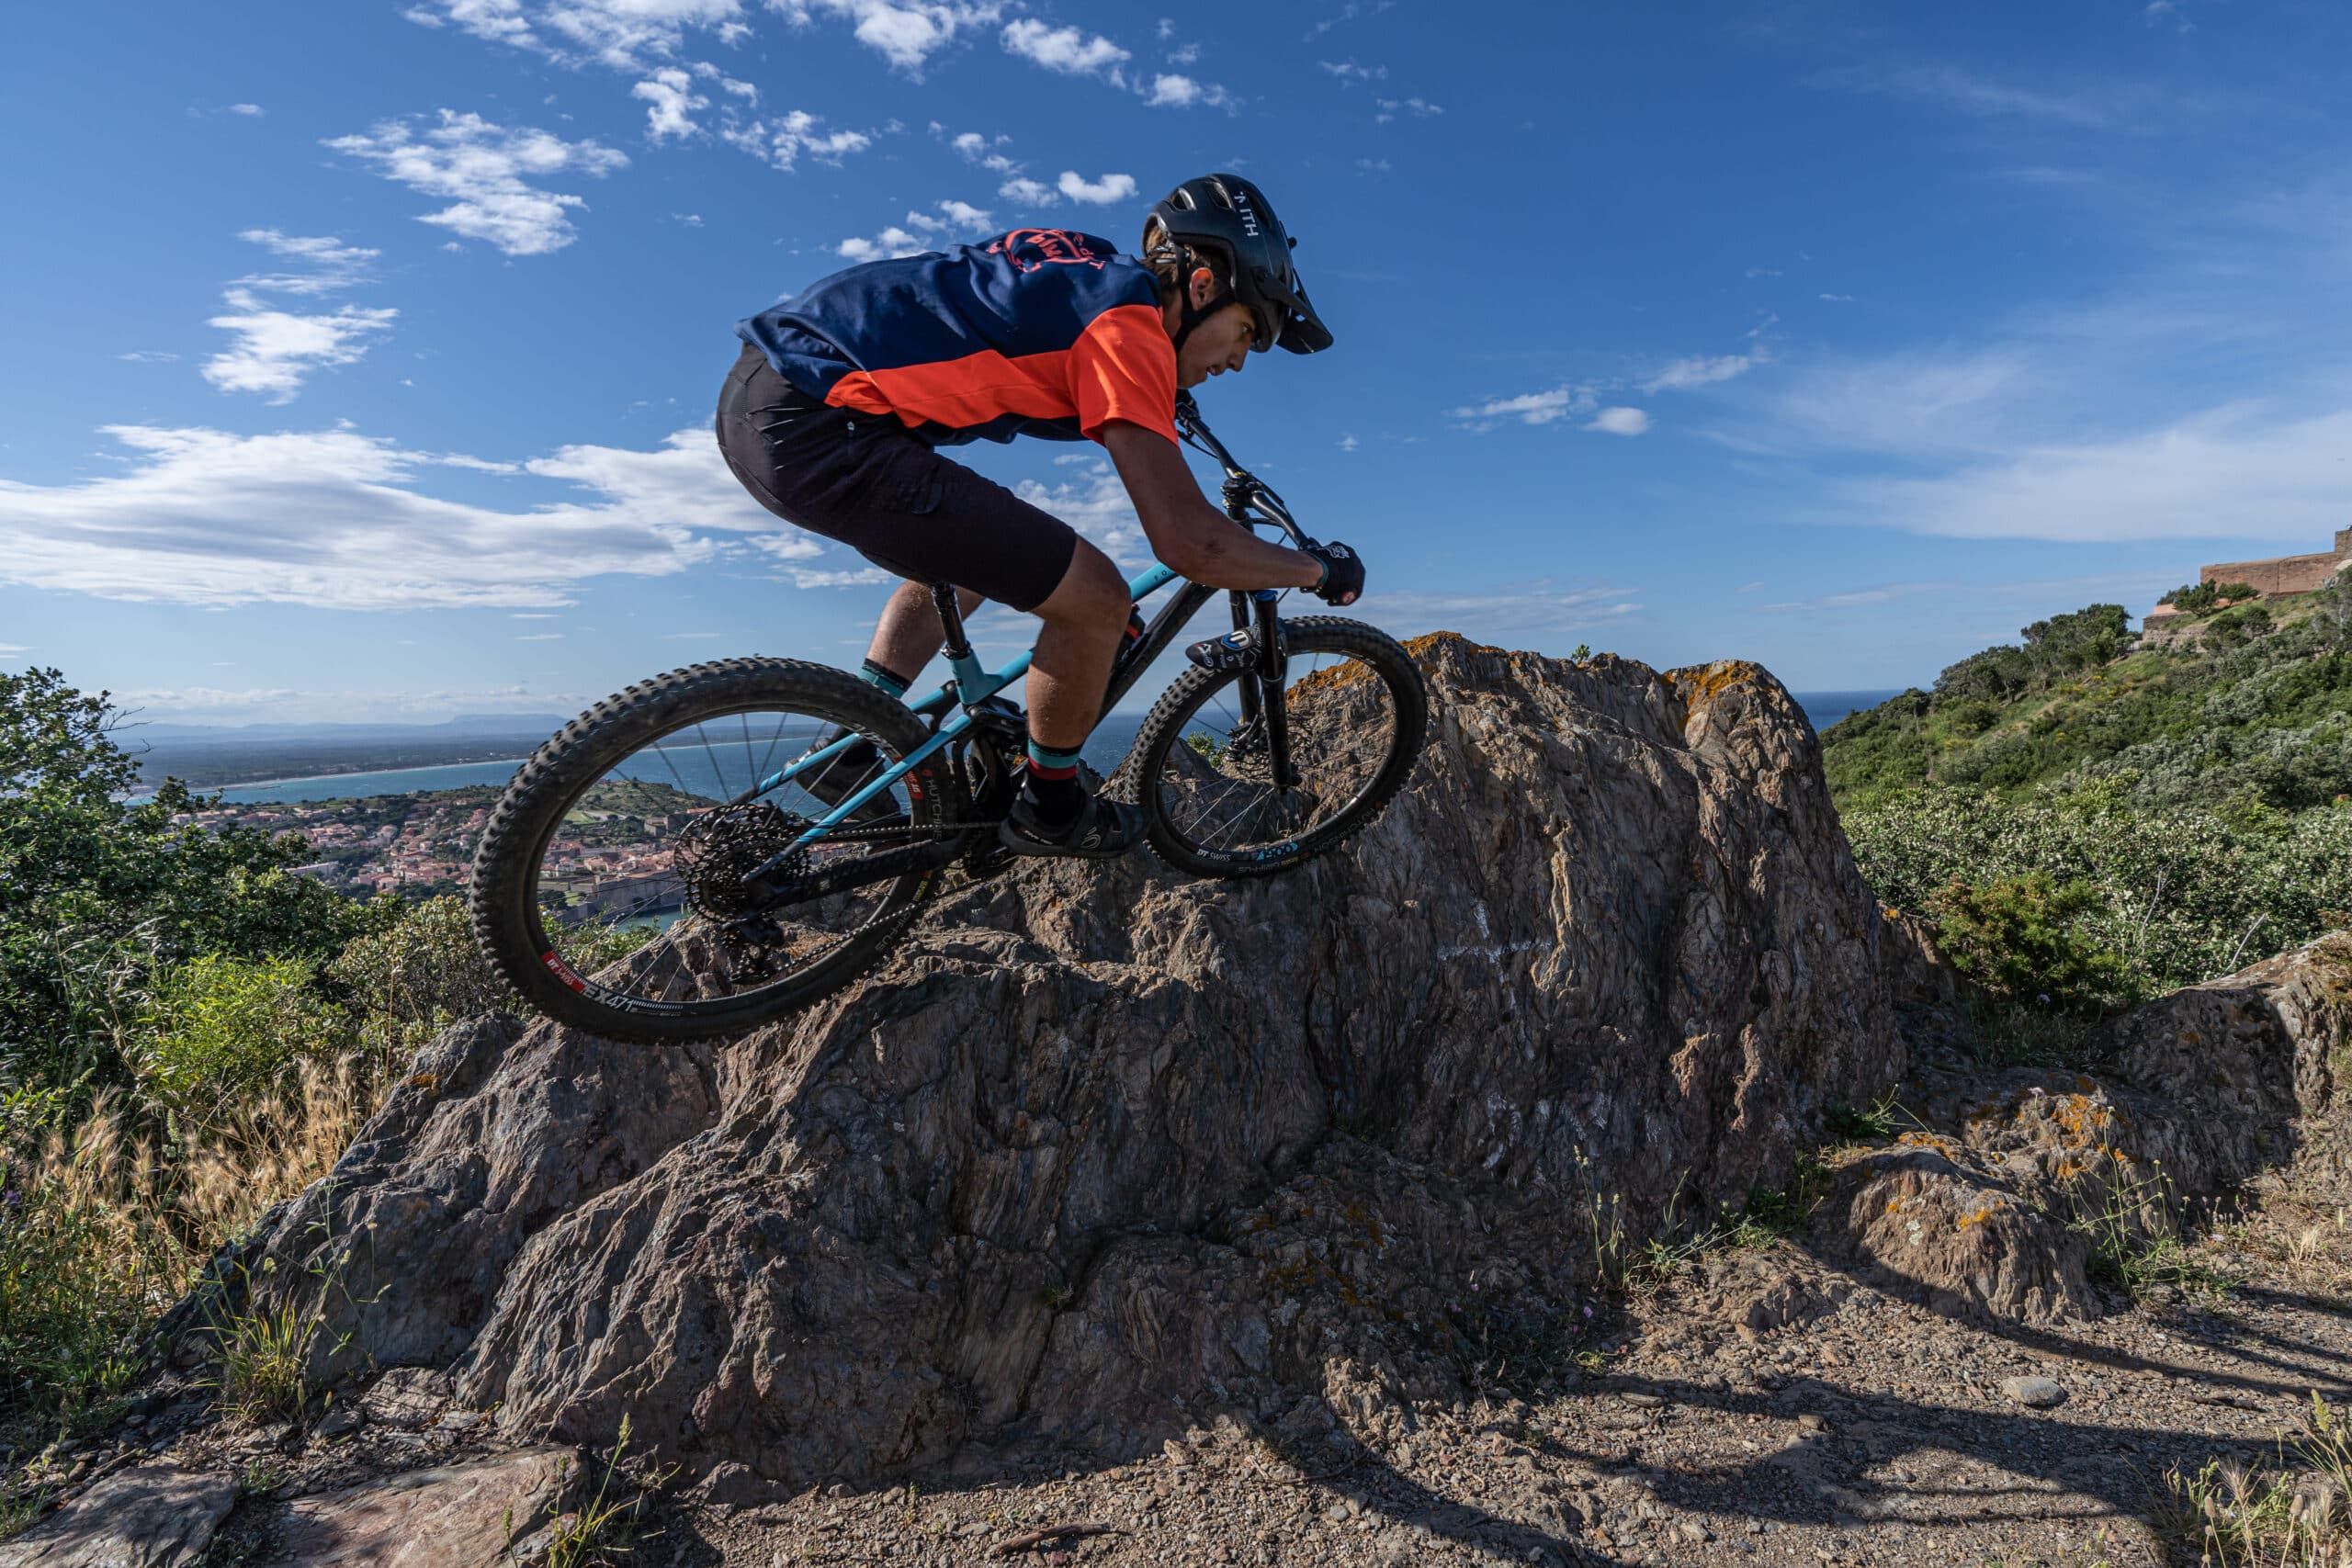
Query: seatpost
[[951, 620]]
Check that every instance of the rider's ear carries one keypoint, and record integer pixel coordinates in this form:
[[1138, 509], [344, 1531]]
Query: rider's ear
[[1203, 286]]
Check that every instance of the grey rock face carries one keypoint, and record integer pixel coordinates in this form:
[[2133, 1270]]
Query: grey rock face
[[1102, 1149], [154, 1515], [460, 1516]]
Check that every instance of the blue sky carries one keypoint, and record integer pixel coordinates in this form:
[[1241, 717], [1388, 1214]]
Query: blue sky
[[359, 357]]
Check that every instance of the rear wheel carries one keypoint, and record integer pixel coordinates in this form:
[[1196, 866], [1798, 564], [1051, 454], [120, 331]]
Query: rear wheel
[[1356, 713], [610, 884]]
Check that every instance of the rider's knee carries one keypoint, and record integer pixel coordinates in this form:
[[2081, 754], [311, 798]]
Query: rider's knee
[[1090, 593]]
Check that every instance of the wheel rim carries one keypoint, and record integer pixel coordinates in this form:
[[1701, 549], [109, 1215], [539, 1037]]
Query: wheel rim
[[634, 887], [1214, 787]]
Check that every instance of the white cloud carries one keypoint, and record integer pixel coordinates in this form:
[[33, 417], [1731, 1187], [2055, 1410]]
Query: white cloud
[[1949, 87], [484, 171], [493, 21], [1910, 404], [1027, 192], [627, 35], [1349, 444], [276, 349], [905, 32], [672, 98], [1853, 599], [1840, 298], [956, 217], [784, 142], [15, 648], [148, 356], [1067, 49], [1182, 92], [1419, 108], [1501, 612], [1348, 70], [855, 577], [255, 111], [1096, 504], [2239, 472], [333, 265], [1702, 370], [338, 519], [1620, 422], [892, 241], [1529, 408], [1098, 193]]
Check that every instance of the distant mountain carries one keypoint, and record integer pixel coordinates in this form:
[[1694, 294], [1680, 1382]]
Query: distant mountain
[[465, 725], [210, 756]]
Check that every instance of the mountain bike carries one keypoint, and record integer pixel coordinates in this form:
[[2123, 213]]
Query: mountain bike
[[751, 834]]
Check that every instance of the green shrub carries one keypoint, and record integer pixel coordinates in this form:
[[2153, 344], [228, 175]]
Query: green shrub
[[2022, 937], [417, 974], [222, 1031], [2181, 892]]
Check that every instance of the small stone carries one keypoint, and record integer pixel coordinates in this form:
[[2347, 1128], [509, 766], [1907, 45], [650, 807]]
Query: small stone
[[1813, 1421], [459, 1421], [1643, 1401], [339, 1419], [2039, 1393]]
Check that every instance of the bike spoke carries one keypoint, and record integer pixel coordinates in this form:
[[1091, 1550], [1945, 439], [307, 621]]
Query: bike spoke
[[662, 845]]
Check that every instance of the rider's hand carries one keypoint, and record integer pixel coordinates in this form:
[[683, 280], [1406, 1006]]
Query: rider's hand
[[1342, 572]]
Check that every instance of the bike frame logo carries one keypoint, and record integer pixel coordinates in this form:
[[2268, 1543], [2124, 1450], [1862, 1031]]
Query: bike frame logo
[[1030, 249]]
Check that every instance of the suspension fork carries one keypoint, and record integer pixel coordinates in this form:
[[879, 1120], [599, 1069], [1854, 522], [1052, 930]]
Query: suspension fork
[[1261, 691]]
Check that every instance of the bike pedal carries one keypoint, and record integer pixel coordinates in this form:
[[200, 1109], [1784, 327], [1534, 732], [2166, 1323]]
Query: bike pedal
[[1233, 650]]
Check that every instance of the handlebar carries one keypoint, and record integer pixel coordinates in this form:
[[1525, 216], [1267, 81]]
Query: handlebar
[[1247, 498]]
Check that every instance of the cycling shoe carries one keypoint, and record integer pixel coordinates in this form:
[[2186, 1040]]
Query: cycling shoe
[[1103, 829]]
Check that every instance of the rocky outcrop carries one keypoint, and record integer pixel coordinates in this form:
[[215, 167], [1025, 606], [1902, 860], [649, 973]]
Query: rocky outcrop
[[1103, 1149]]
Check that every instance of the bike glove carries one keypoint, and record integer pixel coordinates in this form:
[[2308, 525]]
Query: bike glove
[[1342, 572]]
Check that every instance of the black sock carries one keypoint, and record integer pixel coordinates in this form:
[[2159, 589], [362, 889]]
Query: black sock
[[1050, 781]]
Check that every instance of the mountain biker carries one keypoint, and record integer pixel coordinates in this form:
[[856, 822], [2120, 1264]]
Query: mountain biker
[[843, 394]]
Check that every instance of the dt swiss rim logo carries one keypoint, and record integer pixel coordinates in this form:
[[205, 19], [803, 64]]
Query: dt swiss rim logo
[[1030, 249]]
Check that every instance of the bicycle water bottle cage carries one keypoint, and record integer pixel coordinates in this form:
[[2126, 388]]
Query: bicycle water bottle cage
[[1233, 650]]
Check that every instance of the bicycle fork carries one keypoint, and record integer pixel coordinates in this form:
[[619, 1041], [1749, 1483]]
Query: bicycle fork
[[1261, 691]]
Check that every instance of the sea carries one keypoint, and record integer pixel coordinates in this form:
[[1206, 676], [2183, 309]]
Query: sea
[[1109, 743]]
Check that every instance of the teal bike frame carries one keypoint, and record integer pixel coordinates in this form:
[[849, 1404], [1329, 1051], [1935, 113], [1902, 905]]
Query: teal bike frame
[[969, 685]]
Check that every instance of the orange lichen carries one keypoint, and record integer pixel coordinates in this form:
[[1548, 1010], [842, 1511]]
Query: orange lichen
[[1707, 682]]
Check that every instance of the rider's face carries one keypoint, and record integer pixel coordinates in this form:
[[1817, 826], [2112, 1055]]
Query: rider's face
[[1217, 345]]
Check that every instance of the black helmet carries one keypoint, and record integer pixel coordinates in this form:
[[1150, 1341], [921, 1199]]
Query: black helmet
[[1227, 214]]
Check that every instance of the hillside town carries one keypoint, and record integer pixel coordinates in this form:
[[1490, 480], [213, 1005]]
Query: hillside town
[[417, 846]]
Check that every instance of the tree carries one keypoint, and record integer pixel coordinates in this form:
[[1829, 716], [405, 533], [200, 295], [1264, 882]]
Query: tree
[[96, 892]]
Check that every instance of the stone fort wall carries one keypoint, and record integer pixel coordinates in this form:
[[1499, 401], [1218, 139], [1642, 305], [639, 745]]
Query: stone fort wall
[[2284, 574]]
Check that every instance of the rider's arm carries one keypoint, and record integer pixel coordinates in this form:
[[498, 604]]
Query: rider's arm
[[1187, 533]]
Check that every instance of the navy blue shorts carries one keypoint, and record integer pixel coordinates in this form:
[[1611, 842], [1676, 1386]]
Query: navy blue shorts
[[865, 482]]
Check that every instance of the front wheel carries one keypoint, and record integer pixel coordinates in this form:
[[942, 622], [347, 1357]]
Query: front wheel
[[1353, 713]]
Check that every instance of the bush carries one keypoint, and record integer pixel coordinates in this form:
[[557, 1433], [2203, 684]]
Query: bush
[[223, 1031], [2021, 936], [418, 972], [2182, 893]]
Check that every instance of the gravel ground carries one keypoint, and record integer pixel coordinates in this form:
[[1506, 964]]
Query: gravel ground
[[1876, 1434], [1862, 1429]]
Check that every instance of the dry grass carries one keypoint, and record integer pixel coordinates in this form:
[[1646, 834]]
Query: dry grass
[[2298, 1515], [254, 1155], [98, 1235]]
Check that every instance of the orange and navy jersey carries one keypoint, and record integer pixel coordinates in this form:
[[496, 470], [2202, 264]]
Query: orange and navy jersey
[[1040, 332]]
